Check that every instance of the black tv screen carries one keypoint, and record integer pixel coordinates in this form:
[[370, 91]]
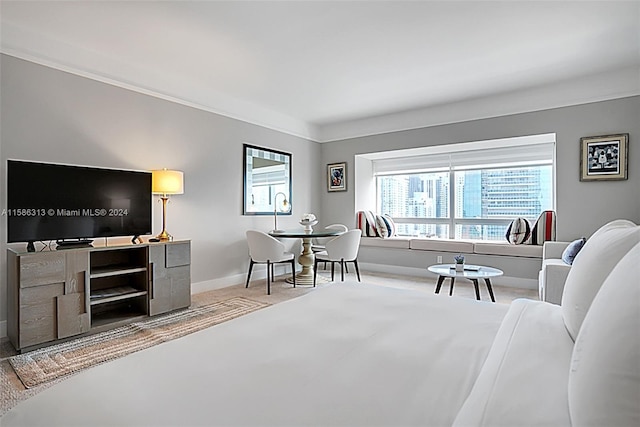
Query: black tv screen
[[61, 202]]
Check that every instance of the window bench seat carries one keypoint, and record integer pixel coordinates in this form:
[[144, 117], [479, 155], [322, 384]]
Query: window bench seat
[[412, 255], [483, 247]]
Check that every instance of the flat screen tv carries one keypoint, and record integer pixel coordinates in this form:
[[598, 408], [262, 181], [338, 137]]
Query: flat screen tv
[[74, 204]]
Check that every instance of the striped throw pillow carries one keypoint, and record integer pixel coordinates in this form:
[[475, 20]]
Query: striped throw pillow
[[390, 225], [385, 226], [518, 231], [544, 229], [365, 221]]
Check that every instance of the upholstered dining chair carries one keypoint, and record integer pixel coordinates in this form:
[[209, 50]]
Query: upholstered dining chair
[[264, 249], [342, 249], [319, 243]]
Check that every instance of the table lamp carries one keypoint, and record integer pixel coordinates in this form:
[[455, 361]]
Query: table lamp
[[166, 182], [284, 207]]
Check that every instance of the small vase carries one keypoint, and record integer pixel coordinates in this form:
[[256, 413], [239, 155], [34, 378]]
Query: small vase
[[459, 267]]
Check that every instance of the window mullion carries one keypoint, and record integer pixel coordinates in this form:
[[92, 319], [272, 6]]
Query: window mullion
[[452, 203]]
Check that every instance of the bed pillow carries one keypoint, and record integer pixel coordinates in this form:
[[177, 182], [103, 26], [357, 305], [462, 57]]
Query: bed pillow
[[604, 379], [572, 250], [518, 231], [602, 251]]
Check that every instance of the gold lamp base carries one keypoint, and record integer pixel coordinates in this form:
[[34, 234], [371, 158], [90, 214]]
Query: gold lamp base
[[164, 236]]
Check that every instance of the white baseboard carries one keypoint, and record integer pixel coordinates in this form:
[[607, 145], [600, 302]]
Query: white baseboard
[[208, 285], [236, 279], [514, 282]]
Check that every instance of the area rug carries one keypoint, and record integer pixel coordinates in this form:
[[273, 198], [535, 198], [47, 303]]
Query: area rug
[[50, 363]]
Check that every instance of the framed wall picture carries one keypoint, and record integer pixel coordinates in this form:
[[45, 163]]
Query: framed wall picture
[[604, 158], [337, 177]]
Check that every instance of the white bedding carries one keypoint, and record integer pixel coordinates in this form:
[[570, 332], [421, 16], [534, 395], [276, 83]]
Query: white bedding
[[347, 354], [524, 380]]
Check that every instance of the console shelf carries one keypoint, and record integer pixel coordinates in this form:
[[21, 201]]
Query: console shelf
[[115, 294], [57, 294], [114, 271]]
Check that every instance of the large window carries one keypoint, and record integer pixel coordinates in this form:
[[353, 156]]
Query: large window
[[472, 192]]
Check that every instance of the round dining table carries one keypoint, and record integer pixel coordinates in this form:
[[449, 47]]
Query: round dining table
[[306, 257]]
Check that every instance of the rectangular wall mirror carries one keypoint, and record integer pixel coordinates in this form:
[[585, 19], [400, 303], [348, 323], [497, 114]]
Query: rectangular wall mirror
[[267, 175]]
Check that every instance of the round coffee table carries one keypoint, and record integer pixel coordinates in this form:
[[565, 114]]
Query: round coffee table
[[470, 272]]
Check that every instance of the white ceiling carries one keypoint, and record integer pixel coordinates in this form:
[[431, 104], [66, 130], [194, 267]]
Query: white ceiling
[[327, 70]]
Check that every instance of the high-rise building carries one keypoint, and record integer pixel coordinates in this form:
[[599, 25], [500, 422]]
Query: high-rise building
[[505, 194]]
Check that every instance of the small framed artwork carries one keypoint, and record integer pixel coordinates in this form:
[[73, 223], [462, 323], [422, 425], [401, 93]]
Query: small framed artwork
[[337, 177], [604, 158]]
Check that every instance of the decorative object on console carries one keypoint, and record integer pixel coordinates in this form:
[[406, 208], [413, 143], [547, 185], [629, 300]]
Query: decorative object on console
[[518, 231], [459, 262], [570, 253], [166, 182], [337, 177], [308, 221], [285, 206], [604, 158]]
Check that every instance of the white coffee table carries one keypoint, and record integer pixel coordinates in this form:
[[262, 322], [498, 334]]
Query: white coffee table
[[471, 272]]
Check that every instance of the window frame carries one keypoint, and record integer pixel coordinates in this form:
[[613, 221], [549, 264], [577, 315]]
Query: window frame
[[453, 221]]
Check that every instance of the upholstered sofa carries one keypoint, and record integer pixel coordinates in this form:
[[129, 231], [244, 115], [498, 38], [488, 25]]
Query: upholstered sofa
[[553, 273], [587, 349]]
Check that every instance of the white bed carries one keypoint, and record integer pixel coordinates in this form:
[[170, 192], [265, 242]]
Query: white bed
[[362, 355], [348, 354]]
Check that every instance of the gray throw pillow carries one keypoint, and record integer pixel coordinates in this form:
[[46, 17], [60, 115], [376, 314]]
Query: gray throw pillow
[[572, 250]]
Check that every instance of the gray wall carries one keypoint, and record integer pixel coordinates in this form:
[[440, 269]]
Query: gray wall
[[53, 116], [582, 207]]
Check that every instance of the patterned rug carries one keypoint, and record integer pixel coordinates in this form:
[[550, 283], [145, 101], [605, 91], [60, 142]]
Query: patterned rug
[[47, 364]]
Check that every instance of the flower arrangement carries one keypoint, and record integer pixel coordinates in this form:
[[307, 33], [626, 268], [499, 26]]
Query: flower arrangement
[[308, 217], [459, 259]]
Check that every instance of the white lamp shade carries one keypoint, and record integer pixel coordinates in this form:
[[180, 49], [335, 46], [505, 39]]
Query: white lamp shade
[[167, 182]]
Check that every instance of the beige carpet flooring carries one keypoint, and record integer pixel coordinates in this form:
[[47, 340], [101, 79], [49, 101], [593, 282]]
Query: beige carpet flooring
[[13, 390], [55, 361]]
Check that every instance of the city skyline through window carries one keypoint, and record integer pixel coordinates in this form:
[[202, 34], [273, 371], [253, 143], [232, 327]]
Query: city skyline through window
[[483, 200]]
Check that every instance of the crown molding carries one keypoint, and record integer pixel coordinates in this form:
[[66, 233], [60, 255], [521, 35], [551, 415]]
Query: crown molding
[[588, 89], [31, 46], [58, 55]]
